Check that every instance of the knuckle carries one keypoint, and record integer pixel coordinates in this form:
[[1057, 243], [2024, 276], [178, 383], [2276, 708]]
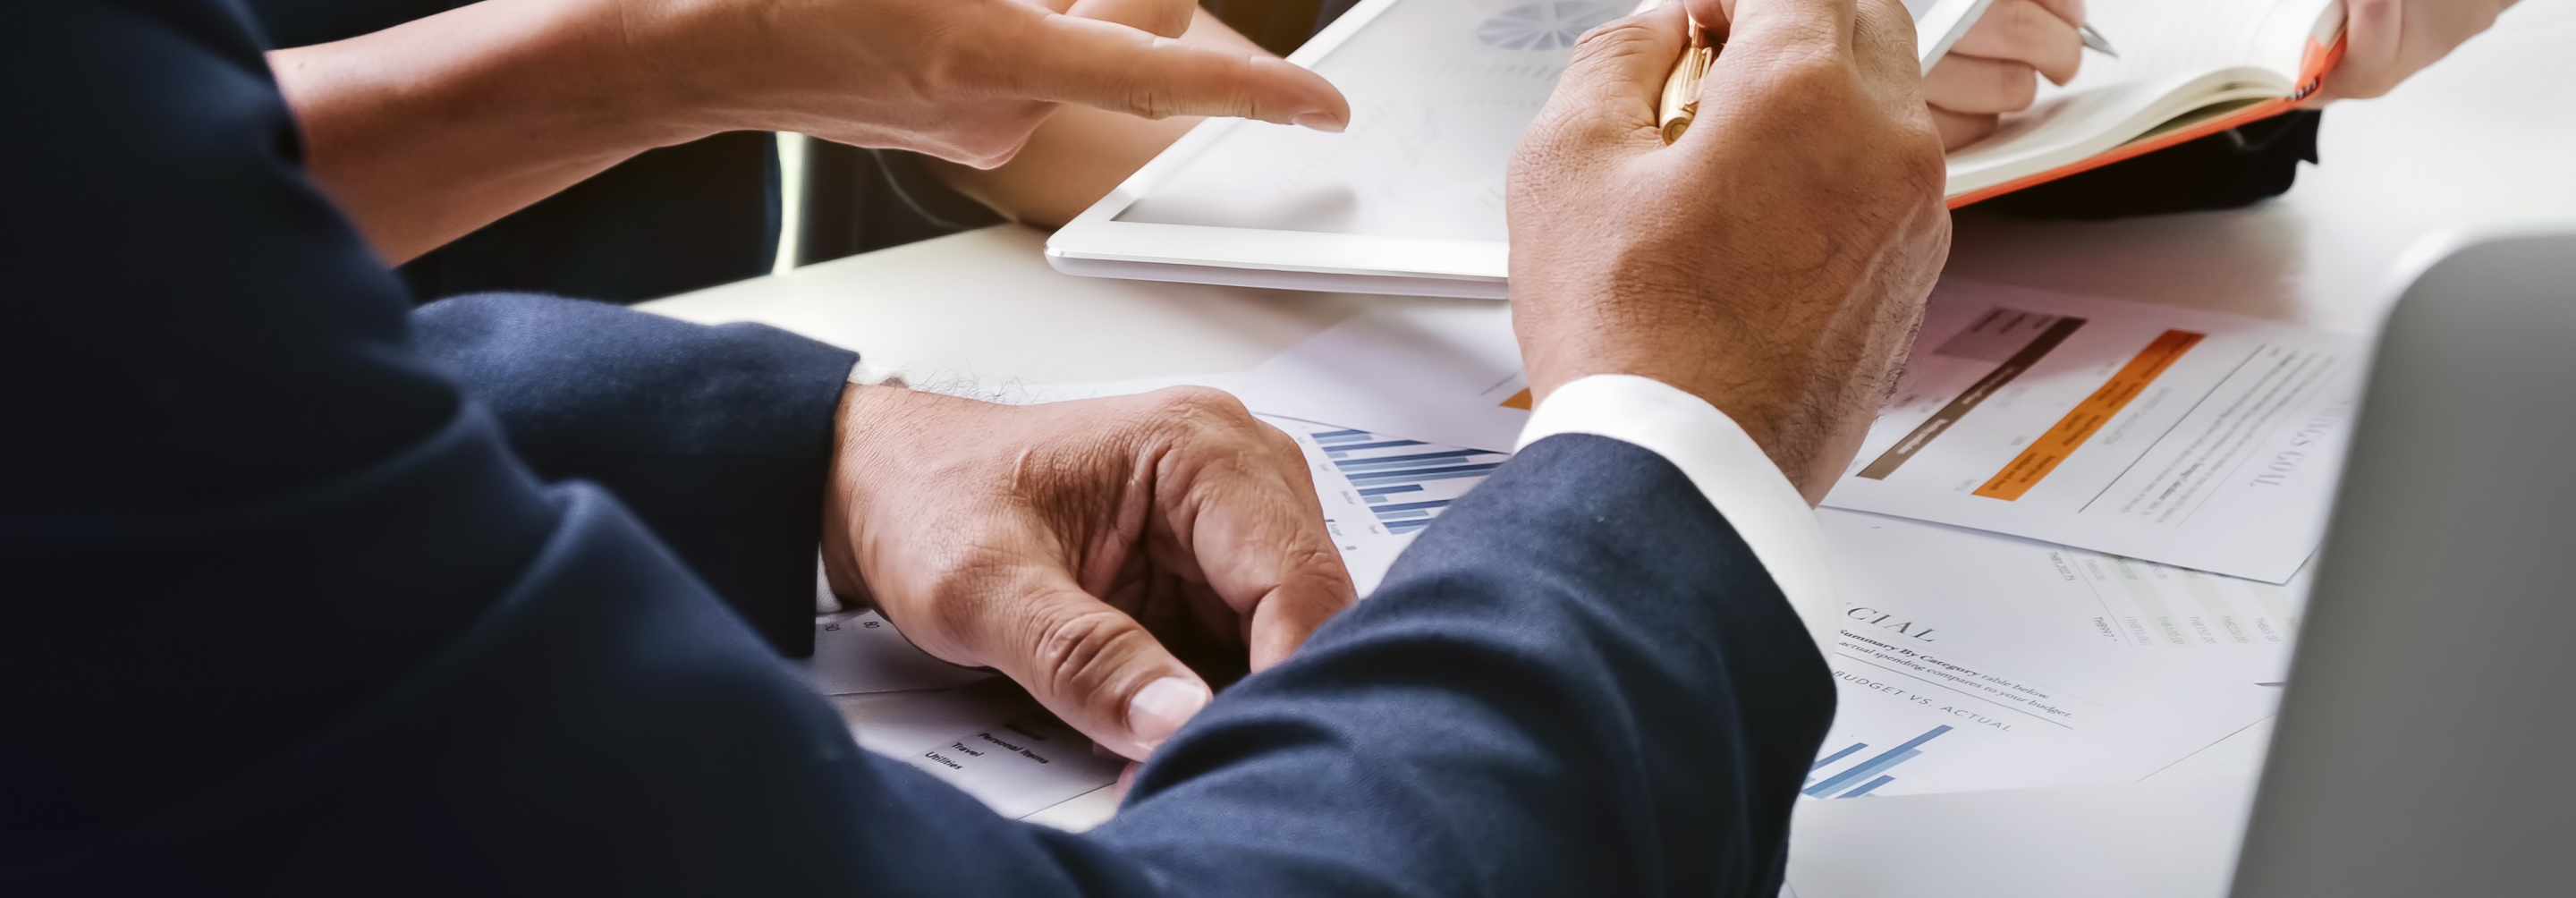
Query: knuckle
[[1195, 408], [1071, 640]]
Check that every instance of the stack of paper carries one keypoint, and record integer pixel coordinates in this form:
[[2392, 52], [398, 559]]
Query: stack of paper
[[2068, 552]]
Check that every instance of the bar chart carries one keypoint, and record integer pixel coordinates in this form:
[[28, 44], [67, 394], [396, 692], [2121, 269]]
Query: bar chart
[[1379, 491], [1404, 483], [1867, 774]]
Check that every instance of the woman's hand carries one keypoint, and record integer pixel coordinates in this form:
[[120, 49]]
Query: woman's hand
[[2388, 40], [1995, 69], [428, 130]]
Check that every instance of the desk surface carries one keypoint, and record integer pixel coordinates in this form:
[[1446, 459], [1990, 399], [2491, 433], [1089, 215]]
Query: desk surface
[[2485, 138]]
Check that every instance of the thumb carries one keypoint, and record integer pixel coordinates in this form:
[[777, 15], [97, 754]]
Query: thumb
[[1614, 80], [1096, 668], [1114, 67]]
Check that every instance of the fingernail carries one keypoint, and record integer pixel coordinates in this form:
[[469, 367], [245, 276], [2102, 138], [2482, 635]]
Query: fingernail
[[1159, 709], [1320, 122]]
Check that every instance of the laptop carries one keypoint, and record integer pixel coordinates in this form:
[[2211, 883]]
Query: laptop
[[2427, 741]]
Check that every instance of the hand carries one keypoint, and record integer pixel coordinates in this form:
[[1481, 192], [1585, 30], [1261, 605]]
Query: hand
[[1082, 153], [1086, 549], [1995, 68], [430, 129], [963, 80], [2388, 40], [1773, 261]]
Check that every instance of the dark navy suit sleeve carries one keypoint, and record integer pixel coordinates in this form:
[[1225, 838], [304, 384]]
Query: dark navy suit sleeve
[[1579, 681], [286, 614], [718, 437]]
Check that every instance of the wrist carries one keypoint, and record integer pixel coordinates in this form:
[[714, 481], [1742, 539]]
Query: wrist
[[1766, 422]]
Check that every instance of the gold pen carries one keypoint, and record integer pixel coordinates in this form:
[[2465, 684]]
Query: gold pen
[[1681, 91]]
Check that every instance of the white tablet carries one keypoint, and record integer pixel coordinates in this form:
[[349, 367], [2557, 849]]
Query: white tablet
[[1409, 200]]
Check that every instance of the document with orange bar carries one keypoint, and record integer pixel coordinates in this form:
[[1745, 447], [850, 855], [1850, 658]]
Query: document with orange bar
[[2190, 438]]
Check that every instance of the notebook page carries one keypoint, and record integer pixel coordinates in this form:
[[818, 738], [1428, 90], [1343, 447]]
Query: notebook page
[[2159, 39]]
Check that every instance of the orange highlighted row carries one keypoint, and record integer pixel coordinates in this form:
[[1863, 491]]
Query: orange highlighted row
[[2088, 417]]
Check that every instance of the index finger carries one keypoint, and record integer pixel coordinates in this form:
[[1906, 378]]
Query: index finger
[[1164, 17], [1114, 67]]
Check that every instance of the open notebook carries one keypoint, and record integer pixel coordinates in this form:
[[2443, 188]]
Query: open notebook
[[2187, 69]]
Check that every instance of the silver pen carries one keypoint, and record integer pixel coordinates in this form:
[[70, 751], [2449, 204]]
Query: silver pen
[[2093, 40]]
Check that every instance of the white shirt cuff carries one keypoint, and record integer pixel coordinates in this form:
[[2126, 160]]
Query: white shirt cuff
[[867, 375], [1726, 465]]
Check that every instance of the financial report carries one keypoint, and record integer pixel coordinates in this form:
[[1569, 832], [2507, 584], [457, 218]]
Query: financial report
[[2191, 438]]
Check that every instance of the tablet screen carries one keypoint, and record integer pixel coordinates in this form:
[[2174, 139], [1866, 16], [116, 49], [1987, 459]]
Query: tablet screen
[[1440, 91]]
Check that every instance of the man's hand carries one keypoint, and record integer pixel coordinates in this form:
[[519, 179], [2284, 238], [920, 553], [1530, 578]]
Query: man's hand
[[2388, 40], [1112, 555], [1995, 68], [1775, 259]]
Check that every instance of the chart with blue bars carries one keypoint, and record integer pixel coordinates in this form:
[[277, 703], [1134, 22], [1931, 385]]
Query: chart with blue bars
[[1404, 483], [1380, 491], [1869, 772]]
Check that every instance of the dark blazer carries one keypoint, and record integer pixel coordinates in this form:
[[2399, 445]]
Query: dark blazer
[[307, 594]]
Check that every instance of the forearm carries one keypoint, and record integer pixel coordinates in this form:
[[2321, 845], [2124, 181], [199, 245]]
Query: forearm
[[426, 131]]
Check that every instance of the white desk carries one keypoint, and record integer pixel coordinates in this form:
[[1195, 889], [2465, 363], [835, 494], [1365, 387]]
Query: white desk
[[2486, 137]]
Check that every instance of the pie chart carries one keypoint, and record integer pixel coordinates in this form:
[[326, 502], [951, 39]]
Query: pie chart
[[1545, 26]]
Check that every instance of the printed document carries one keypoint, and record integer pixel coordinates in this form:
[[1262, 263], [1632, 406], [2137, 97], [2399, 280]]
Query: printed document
[[1974, 661], [991, 741], [2190, 438]]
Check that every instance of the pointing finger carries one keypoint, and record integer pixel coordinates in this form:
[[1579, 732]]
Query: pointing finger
[[1121, 69], [1164, 17]]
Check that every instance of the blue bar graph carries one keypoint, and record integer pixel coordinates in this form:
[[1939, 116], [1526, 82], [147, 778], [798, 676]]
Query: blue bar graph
[[1864, 790], [1836, 756], [1405, 484], [1399, 461], [1876, 765], [1344, 450], [1423, 474]]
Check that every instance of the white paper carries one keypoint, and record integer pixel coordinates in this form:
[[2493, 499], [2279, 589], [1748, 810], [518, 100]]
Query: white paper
[[994, 743], [859, 652], [2145, 840], [1436, 373], [2224, 458], [1973, 661]]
